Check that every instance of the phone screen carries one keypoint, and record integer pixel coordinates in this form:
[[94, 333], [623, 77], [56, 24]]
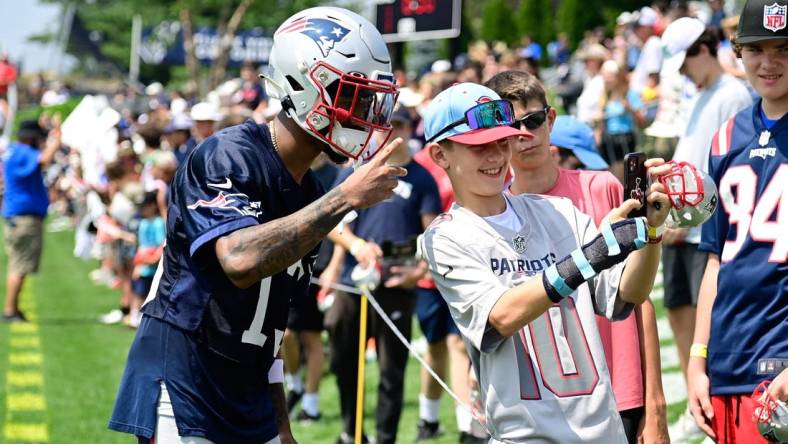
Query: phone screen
[[635, 181]]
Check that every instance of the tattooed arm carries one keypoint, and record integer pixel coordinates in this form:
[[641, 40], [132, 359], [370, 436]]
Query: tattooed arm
[[253, 253]]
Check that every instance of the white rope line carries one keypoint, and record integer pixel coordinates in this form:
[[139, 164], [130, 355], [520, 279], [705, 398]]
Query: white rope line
[[413, 351]]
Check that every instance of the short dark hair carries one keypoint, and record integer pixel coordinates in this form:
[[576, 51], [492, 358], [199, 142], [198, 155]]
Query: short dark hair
[[31, 133], [710, 38], [151, 134], [517, 86], [150, 198]]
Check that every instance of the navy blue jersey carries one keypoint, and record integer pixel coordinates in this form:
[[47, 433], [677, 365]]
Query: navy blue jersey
[[222, 339], [397, 219], [749, 232]]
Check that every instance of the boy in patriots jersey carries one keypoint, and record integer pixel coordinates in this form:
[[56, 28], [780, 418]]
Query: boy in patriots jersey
[[244, 221], [631, 345], [524, 276], [741, 333]]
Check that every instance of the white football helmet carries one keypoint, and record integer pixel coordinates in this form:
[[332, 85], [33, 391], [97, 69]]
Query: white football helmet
[[770, 414], [332, 73], [692, 193]]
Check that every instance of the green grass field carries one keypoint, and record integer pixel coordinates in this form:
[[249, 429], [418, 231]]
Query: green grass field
[[59, 374]]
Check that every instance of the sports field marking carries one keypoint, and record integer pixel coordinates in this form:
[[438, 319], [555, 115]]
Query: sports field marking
[[26, 432], [23, 327], [663, 329], [25, 402], [26, 358], [670, 356], [25, 343], [673, 385], [24, 379]]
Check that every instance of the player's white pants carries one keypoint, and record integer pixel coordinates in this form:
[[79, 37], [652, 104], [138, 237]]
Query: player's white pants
[[167, 431]]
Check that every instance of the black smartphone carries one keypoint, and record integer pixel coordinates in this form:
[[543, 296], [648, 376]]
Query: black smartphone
[[635, 181]]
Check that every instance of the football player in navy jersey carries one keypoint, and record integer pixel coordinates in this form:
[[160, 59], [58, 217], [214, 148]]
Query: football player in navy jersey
[[741, 330], [244, 221]]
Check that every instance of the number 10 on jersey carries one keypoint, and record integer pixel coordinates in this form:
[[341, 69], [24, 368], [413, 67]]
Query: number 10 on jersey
[[563, 358]]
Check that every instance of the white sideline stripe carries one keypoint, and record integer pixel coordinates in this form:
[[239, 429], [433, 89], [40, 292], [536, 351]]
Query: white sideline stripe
[[663, 329], [673, 385], [670, 356]]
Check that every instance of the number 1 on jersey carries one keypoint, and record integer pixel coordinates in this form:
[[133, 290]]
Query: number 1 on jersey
[[254, 334]]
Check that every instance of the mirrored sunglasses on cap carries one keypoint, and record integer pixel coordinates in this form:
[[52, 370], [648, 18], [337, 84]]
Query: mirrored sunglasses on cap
[[531, 120], [484, 115]]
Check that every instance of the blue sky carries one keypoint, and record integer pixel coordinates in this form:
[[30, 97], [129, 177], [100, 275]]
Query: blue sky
[[20, 19]]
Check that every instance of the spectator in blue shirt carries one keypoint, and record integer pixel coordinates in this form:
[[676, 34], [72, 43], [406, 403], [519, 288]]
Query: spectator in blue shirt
[[25, 203]]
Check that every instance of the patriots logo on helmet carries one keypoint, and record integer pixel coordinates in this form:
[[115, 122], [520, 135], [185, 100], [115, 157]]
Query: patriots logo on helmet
[[324, 32]]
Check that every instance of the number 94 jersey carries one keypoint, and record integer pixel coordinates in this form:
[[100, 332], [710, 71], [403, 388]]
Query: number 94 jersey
[[209, 341], [549, 382], [749, 232]]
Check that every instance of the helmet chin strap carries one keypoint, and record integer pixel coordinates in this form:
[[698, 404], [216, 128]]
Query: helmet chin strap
[[333, 155]]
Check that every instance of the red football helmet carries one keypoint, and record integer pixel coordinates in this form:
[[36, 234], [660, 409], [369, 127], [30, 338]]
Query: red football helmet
[[692, 193], [770, 415]]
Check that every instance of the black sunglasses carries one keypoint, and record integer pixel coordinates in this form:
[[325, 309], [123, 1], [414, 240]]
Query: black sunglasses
[[532, 120]]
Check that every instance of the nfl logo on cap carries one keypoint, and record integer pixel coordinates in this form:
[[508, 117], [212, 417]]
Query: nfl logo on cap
[[774, 17]]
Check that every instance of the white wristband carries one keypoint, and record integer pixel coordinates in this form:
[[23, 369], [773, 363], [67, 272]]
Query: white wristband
[[276, 375]]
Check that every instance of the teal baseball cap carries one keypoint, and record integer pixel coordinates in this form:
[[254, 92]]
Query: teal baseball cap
[[574, 135], [470, 114]]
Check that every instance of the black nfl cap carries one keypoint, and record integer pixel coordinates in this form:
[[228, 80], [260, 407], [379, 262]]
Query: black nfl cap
[[763, 20]]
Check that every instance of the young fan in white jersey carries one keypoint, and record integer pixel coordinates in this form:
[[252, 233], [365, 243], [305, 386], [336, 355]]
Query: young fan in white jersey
[[524, 276]]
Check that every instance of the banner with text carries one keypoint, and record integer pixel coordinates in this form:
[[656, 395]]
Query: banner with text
[[164, 44]]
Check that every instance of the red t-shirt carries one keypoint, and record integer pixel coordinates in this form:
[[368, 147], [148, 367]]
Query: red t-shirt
[[7, 76], [596, 193]]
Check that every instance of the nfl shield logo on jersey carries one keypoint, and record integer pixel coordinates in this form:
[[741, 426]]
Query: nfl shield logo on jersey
[[774, 17], [519, 244]]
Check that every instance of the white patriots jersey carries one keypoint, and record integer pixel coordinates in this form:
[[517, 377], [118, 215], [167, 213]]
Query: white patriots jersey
[[549, 383]]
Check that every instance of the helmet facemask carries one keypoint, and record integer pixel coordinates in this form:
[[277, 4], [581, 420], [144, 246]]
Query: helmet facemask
[[692, 194], [352, 110]]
